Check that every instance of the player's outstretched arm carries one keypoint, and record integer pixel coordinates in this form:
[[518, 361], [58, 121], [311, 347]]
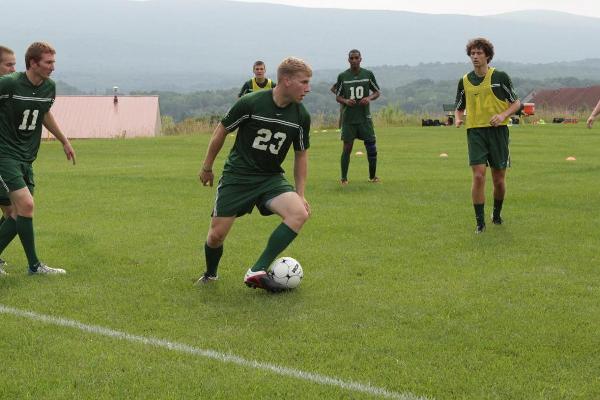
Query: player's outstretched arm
[[593, 115], [214, 147], [50, 124], [300, 174]]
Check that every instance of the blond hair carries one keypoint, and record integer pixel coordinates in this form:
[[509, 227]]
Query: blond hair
[[5, 50], [291, 66], [35, 51]]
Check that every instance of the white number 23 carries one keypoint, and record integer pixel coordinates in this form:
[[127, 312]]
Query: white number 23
[[264, 136]]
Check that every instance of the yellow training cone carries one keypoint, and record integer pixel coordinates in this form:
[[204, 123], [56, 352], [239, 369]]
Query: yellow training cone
[[571, 158]]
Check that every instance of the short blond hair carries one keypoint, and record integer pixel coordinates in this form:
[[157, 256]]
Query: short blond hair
[[35, 50], [5, 50], [291, 66]]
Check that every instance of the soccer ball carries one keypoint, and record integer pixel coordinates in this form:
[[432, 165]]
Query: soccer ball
[[287, 272]]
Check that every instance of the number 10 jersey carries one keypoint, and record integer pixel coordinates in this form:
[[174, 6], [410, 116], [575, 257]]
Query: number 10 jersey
[[265, 133], [23, 107]]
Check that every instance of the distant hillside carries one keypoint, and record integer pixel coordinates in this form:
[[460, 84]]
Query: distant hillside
[[186, 45]]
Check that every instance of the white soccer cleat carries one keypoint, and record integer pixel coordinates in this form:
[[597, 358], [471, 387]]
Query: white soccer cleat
[[2, 266], [43, 269]]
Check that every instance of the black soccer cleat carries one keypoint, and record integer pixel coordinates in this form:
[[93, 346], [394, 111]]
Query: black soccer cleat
[[207, 279], [480, 229], [497, 221]]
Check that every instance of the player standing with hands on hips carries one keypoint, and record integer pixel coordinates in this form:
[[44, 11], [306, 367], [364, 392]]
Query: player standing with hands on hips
[[268, 123]]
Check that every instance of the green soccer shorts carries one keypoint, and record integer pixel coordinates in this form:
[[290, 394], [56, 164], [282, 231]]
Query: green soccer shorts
[[363, 131], [239, 194], [14, 175], [489, 146]]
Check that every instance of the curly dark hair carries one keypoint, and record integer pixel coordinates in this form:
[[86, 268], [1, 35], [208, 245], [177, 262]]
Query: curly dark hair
[[483, 44]]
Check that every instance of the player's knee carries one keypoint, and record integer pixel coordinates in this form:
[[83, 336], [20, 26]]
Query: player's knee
[[25, 208], [347, 149], [297, 218], [479, 178], [371, 148], [215, 238]]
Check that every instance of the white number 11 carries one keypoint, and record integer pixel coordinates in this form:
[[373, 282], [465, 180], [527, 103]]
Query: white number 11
[[34, 116]]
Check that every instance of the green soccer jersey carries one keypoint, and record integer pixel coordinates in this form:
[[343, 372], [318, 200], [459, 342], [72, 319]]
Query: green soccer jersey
[[22, 110], [265, 133], [356, 86]]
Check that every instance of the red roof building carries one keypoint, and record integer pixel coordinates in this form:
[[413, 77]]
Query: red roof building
[[106, 116], [567, 99]]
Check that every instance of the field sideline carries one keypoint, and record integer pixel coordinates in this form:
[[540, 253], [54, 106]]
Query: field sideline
[[399, 294]]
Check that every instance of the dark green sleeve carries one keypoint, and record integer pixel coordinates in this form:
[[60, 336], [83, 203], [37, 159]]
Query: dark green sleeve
[[503, 87], [6, 87], [302, 142], [245, 89], [461, 102], [237, 114], [338, 85], [373, 83]]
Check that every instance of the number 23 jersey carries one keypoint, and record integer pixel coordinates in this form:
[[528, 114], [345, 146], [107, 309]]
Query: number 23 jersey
[[265, 133], [23, 107]]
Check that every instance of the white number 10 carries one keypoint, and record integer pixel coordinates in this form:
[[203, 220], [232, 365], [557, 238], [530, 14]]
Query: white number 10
[[357, 92]]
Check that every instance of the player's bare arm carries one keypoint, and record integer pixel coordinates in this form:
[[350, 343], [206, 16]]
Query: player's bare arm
[[214, 147], [593, 115], [497, 119], [300, 174], [347, 102], [366, 100], [52, 126], [459, 116]]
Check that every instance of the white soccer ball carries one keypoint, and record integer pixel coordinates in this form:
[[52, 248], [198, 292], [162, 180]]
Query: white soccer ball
[[287, 272]]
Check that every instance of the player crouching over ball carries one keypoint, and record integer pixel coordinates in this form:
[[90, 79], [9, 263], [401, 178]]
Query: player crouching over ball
[[268, 123]]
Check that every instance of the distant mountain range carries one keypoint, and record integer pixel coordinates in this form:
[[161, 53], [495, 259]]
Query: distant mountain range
[[186, 45]]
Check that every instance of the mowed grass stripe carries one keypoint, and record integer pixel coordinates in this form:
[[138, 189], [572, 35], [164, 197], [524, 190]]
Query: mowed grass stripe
[[215, 355]]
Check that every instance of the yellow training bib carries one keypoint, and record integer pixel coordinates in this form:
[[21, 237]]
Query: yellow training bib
[[482, 103], [255, 86]]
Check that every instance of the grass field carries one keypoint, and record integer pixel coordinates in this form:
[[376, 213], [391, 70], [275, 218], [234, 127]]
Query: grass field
[[400, 298]]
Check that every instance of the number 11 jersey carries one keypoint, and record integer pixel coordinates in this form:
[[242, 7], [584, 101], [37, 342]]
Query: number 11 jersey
[[23, 107]]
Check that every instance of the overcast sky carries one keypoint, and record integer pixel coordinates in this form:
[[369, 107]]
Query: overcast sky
[[589, 8]]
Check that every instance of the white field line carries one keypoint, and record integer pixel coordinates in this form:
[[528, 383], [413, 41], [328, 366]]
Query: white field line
[[215, 355]]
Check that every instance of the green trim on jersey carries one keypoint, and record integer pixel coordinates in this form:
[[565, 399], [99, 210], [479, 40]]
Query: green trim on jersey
[[265, 134], [253, 86], [501, 86], [356, 86], [23, 107]]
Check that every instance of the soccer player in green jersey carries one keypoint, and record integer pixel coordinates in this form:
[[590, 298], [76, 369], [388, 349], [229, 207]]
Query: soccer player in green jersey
[[259, 82], [593, 115], [25, 101], [355, 89], [268, 123], [488, 97]]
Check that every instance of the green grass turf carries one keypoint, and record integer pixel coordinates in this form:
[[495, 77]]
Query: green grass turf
[[398, 291]]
